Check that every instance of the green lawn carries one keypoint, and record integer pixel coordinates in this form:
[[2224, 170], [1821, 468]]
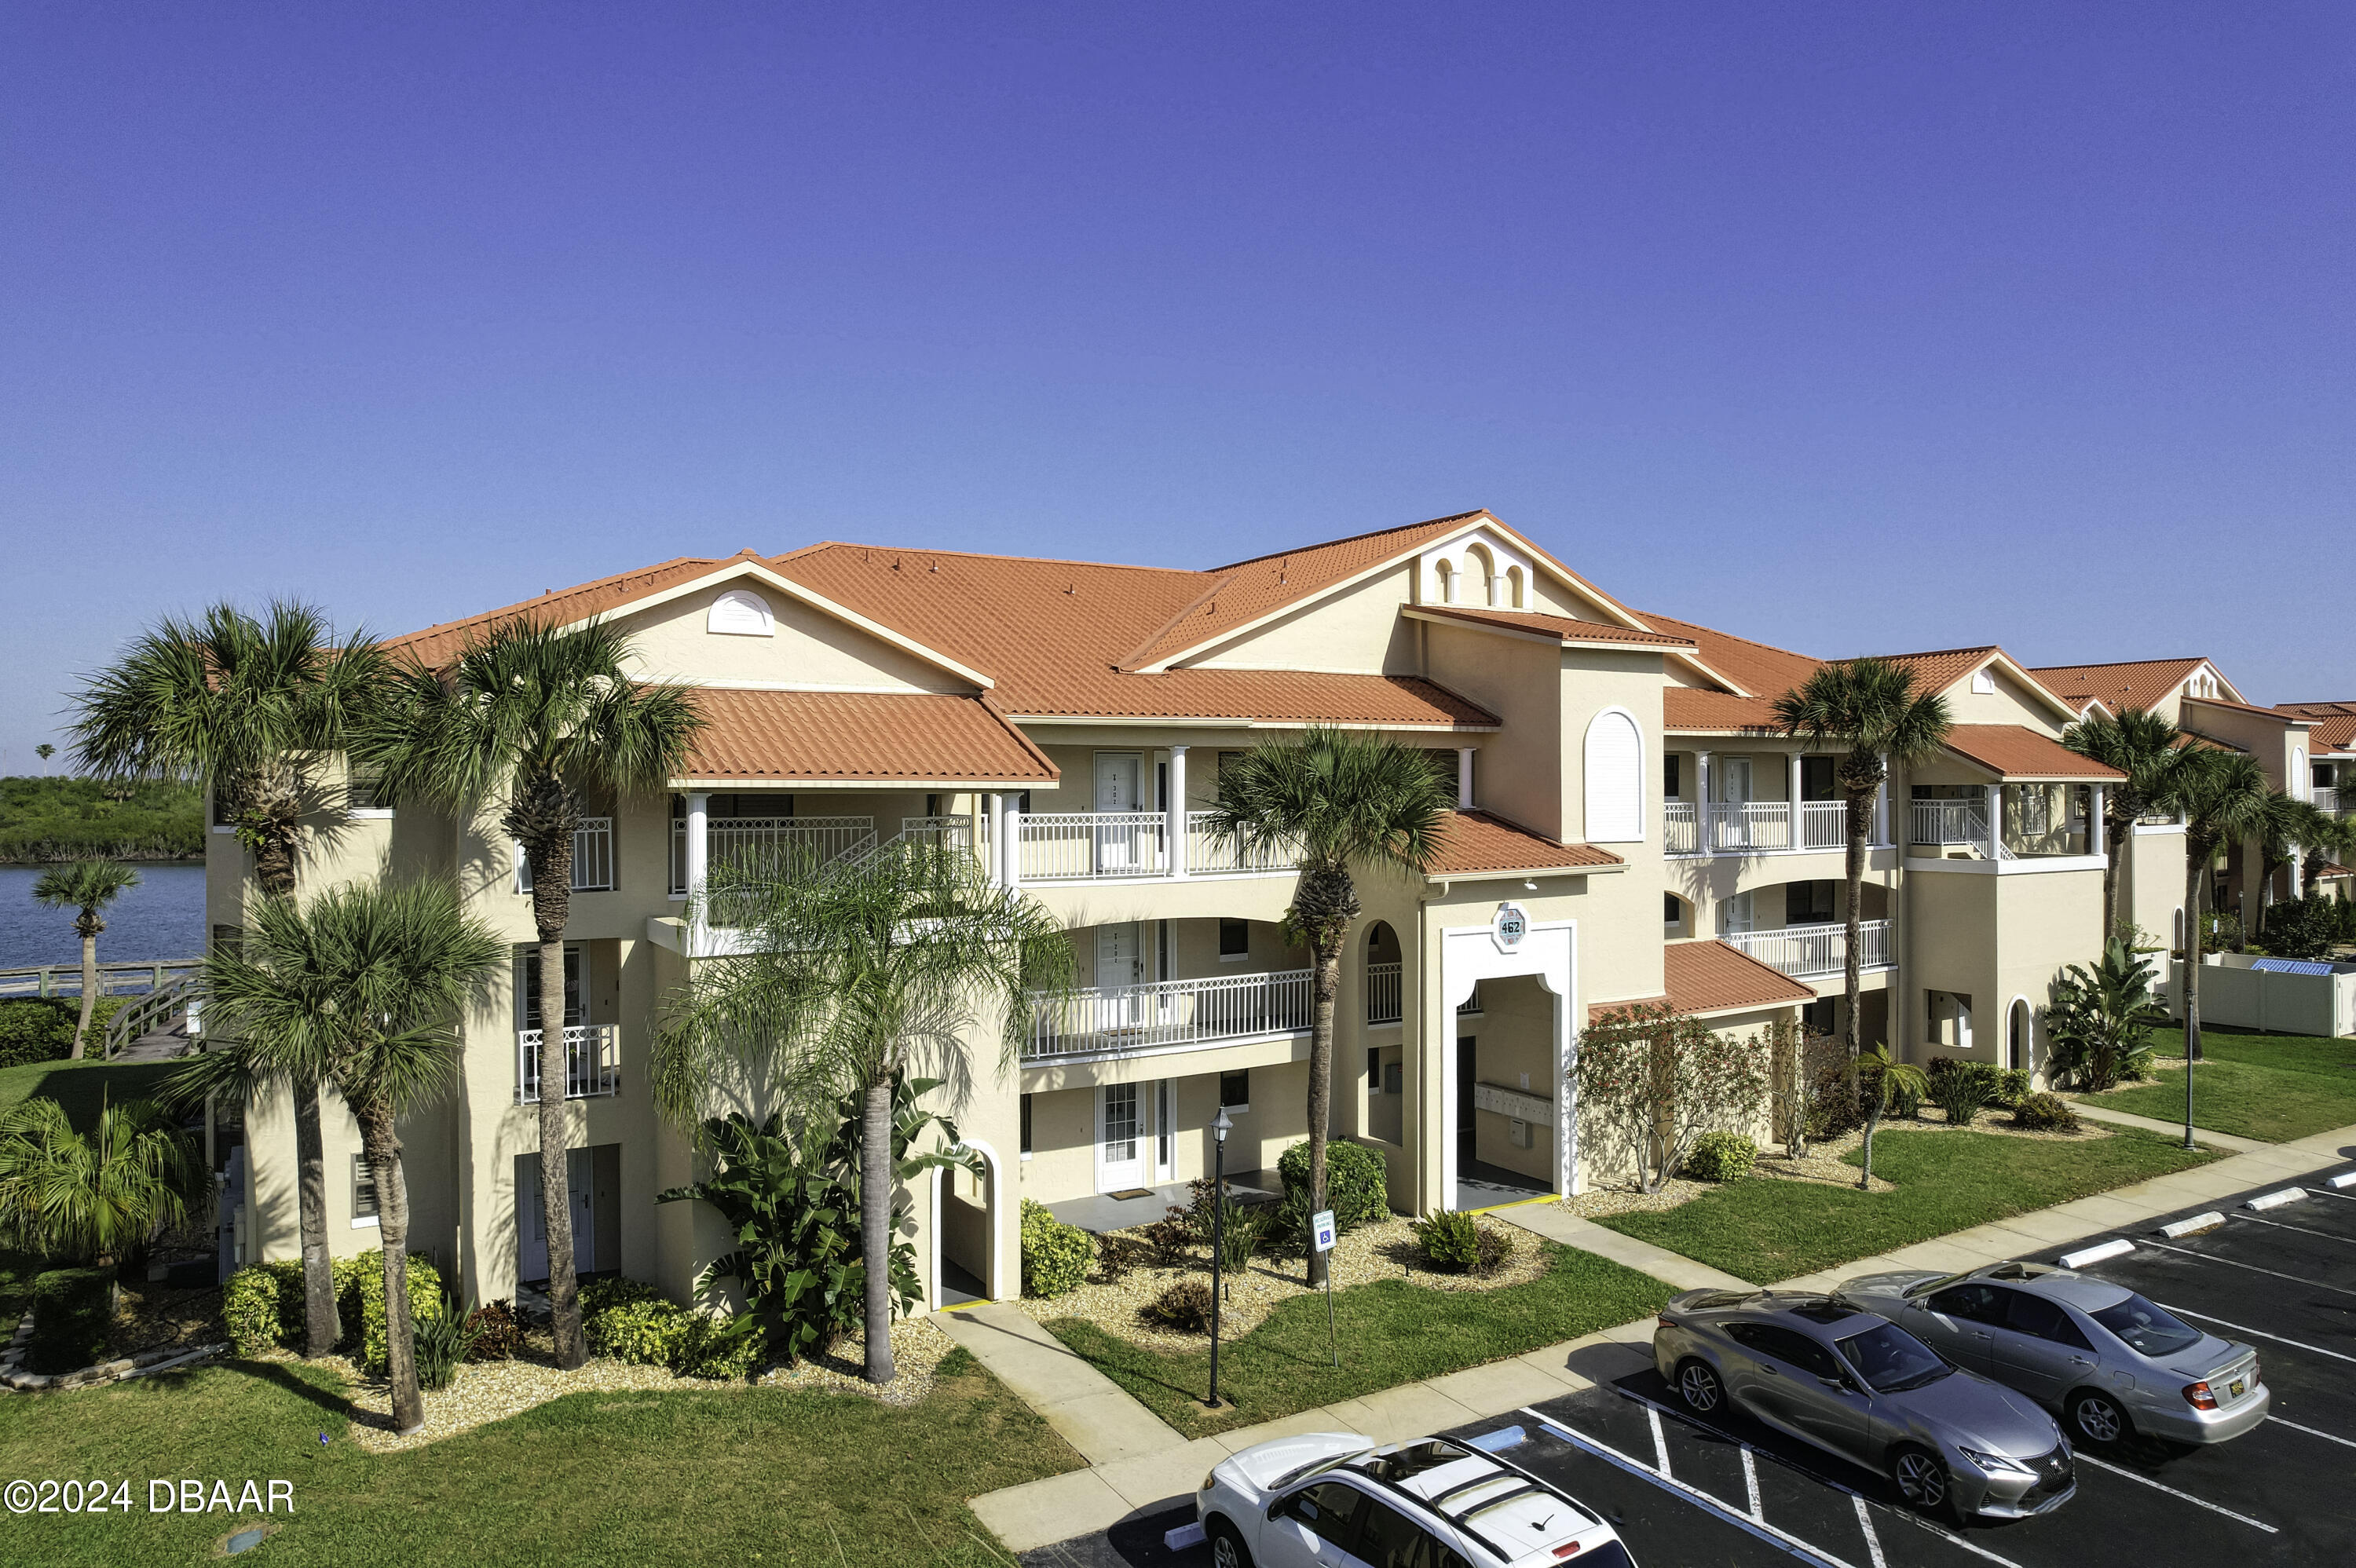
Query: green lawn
[[629, 1480], [1764, 1230], [2275, 1087], [77, 1084], [1390, 1332]]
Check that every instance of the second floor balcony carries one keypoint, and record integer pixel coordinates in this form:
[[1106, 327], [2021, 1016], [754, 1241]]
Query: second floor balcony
[[1111, 1021], [2009, 822], [593, 1062], [1809, 952], [1128, 846], [1754, 827]]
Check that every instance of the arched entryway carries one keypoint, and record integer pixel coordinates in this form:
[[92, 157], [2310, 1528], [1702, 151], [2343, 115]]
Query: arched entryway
[[967, 1247], [2020, 1035], [1534, 1034]]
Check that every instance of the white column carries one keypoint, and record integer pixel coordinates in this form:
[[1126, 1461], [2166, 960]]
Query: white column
[[993, 857], [699, 865], [1702, 842], [1176, 817], [1464, 755], [2096, 844], [1010, 837], [1799, 834], [1881, 804], [1995, 820]]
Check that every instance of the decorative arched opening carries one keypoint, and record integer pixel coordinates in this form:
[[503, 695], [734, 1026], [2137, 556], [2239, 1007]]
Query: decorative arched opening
[[1514, 587], [966, 1222], [1385, 972], [2020, 1035], [1613, 778], [1447, 575], [740, 613], [1481, 571], [2178, 929]]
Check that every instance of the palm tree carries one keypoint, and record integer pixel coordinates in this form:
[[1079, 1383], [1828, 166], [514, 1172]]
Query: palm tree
[[534, 717], [91, 1197], [45, 751], [2223, 796], [856, 975], [1342, 802], [1880, 1081], [2290, 825], [248, 707], [1869, 709], [362, 990], [86, 887], [2333, 837], [2142, 745]]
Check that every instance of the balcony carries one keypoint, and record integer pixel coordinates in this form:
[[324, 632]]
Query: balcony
[[2326, 799], [749, 840], [1116, 1021], [1383, 1001], [2034, 826], [591, 1063], [1806, 951], [1754, 827], [593, 858], [1127, 846]]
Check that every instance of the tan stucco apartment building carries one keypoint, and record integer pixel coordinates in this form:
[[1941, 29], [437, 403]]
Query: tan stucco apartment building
[[1629, 827]]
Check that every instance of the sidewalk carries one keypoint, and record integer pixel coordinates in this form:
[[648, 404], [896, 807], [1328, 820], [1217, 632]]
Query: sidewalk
[[1079, 1502], [1089, 1410], [2172, 1129]]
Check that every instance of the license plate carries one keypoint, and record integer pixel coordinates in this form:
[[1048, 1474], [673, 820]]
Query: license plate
[[2236, 1387]]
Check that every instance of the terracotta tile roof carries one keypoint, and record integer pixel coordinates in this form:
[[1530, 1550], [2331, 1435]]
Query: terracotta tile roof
[[1471, 842], [2247, 707], [1939, 670], [2016, 752], [560, 605], [1561, 626], [2334, 723], [1711, 977], [1716, 712], [2138, 683], [860, 736], [1757, 668]]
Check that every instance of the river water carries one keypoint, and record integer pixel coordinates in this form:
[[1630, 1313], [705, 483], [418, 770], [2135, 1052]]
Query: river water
[[163, 917]]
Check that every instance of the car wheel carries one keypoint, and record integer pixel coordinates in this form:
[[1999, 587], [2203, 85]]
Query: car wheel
[[1698, 1386], [1227, 1549], [2095, 1417], [1922, 1479]]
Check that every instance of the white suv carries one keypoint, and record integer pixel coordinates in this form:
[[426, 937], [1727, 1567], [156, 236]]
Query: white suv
[[1336, 1500]]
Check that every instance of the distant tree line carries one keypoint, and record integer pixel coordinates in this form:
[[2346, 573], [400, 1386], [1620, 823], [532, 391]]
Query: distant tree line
[[50, 819]]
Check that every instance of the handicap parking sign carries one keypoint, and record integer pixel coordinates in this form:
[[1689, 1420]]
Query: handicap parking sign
[[1320, 1228]]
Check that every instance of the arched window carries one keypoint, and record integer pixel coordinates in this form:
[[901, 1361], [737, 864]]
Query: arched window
[[1481, 573], [2301, 786], [740, 613], [1614, 782], [1514, 587], [2179, 931], [1447, 574], [1382, 975]]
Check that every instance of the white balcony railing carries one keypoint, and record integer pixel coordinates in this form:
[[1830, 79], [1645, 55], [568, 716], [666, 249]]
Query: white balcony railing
[[748, 840], [593, 858], [2324, 798], [1383, 995], [591, 1063], [1681, 830], [1207, 852], [1823, 825], [1094, 846], [1754, 826], [1750, 825], [1805, 950], [1948, 822], [1114, 1019]]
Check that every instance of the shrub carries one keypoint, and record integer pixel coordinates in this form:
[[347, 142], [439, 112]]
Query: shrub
[[1240, 1226], [263, 1307], [73, 1310], [1905, 1099], [359, 1301], [36, 1029], [1721, 1157], [1168, 1239], [2012, 1086], [642, 1333], [1185, 1306], [720, 1348], [1354, 1181], [2044, 1114], [613, 1290], [1961, 1088], [1457, 1243], [1055, 1256], [443, 1341], [1834, 1106], [496, 1332]]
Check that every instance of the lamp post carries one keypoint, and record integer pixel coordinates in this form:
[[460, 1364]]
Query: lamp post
[[1220, 1127]]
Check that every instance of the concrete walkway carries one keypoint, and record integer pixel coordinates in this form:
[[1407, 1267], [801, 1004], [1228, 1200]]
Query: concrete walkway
[[1147, 1479], [2170, 1129], [1089, 1410]]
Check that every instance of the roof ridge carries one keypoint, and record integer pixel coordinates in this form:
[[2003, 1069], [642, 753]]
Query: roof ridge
[[1127, 664], [1352, 538], [1732, 636], [522, 605], [2116, 664], [816, 546]]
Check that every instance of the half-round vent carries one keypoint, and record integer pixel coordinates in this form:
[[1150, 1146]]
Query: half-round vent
[[740, 613]]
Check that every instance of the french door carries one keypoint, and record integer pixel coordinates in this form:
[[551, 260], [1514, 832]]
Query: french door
[[1124, 1137]]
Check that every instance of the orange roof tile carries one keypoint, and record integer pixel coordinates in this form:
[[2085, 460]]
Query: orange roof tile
[[1757, 668], [2248, 708], [2016, 752], [562, 606], [1706, 977], [859, 737], [2334, 723], [1716, 712], [1471, 842], [2136, 683], [1561, 626]]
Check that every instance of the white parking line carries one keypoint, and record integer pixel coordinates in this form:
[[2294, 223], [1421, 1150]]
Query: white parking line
[[2244, 1329], [1750, 1483], [1865, 1524], [1695, 1494], [2311, 1432], [2172, 1491], [2229, 1262], [1661, 1443], [2302, 1230]]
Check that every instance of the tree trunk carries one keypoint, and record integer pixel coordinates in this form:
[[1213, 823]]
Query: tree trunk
[[551, 861], [270, 807], [321, 1328], [1873, 1121], [382, 1145], [2118, 849], [89, 992], [875, 1223], [1326, 979], [1860, 824]]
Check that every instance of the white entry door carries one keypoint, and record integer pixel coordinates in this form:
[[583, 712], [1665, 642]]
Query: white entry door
[[1124, 1137], [1120, 964], [1121, 781], [531, 1216]]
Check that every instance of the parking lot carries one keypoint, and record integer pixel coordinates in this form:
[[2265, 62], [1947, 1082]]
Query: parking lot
[[1728, 1491]]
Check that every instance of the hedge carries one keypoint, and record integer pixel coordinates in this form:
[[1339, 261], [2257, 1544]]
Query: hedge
[[630, 1321], [1055, 1256], [36, 1029], [263, 1304], [1354, 1181], [72, 1311]]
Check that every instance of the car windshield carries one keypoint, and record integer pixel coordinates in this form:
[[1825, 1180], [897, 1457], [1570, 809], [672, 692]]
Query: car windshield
[[1891, 1359], [2147, 1327], [1314, 1466]]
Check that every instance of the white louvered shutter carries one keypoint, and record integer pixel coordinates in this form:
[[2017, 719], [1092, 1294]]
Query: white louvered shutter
[[1615, 780]]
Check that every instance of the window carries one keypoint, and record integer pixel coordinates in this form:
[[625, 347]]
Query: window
[[1026, 1127], [1388, 1538], [359, 793], [1817, 1016], [1234, 938], [1816, 779], [1329, 1508], [1808, 903], [1972, 1303], [364, 1210], [1514, 587], [1670, 776], [1793, 1349], [2147, 1328], [1374, 1071], [1235, 1091], [1615, 779], [2041, 1319], [1447, 582], [1671, 916], [740, 613]]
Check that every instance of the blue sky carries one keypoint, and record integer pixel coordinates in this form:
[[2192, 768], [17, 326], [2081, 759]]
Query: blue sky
[[1843, 327]]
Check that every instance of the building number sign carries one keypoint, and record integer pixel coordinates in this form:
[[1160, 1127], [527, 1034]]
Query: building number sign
[[1510, 924]]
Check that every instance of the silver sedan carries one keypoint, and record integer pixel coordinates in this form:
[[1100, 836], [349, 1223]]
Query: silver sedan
[[1857, 1385], [2113, 1363]]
